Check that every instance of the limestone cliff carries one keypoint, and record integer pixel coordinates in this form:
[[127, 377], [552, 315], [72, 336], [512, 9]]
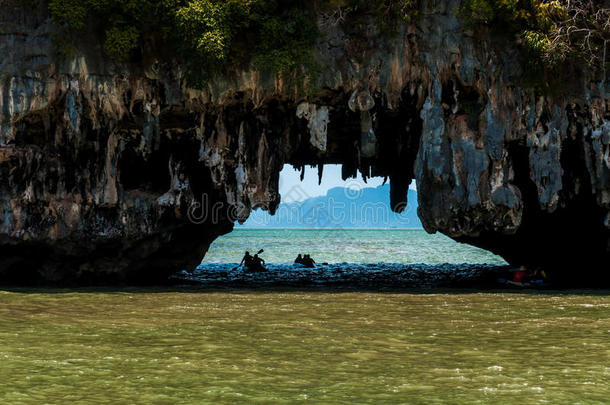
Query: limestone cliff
[[119, 172]]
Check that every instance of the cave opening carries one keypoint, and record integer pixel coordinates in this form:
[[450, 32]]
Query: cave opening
[[340, 221]]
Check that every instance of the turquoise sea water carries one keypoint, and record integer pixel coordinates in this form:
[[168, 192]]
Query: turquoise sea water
[[346, 245]]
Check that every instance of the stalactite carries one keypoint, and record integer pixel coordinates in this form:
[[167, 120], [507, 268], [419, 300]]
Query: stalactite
[[320, 173]]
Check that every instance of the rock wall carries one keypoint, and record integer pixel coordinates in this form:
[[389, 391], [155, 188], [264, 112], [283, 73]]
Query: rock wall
[[121, 173]]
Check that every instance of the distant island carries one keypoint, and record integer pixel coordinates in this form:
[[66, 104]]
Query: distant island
[[341, 208]]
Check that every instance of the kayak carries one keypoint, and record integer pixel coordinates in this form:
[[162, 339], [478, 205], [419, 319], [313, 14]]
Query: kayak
[[527, 284]]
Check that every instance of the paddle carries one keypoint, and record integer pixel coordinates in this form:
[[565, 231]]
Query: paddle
[[239, 265]]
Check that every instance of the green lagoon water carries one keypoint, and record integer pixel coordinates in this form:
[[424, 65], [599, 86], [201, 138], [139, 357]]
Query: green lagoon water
[[326, 346], [285, 347], [347, 245]]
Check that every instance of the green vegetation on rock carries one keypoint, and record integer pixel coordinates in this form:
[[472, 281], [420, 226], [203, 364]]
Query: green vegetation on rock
[[278, 36], [553, 32], [211, 35], [207, 35]]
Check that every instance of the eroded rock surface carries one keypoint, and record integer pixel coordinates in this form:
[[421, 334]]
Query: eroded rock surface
[[114, 172]]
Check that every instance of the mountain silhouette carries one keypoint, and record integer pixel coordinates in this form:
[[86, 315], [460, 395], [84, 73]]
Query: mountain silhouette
[[341, 208]]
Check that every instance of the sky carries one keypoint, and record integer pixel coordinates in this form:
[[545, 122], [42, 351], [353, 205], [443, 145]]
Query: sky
[[292, 189]]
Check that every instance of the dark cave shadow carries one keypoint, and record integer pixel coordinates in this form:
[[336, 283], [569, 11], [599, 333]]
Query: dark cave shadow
[[192, 289], [459, 279]]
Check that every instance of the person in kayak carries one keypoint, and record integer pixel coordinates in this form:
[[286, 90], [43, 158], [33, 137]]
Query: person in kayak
[[247, 260], [299, 259], [308, 262], [520, 277], [258, 264], [252, 263], [538, 277]]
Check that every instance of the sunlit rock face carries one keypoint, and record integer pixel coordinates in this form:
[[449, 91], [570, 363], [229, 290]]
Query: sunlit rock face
[[121, 173]]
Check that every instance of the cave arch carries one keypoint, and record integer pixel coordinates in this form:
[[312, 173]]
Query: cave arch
[[106, 167], [347, 212]]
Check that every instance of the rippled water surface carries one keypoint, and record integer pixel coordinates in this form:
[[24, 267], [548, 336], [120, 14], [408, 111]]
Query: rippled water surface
[[347, 245], [283, 347]]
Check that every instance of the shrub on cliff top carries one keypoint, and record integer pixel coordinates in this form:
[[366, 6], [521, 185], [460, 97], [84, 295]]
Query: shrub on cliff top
[[552, 32], [207, 34], [385, 12]]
